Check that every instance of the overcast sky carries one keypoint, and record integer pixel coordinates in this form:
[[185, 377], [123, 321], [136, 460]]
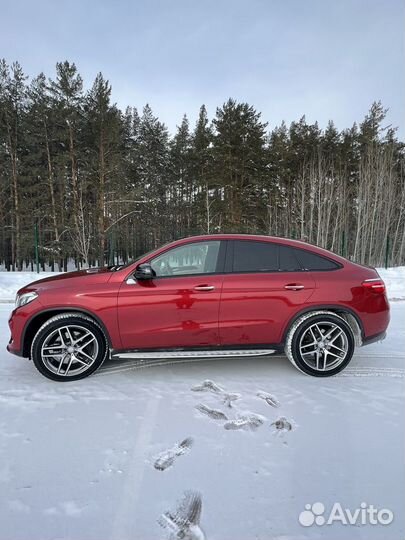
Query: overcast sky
[[322, 58]]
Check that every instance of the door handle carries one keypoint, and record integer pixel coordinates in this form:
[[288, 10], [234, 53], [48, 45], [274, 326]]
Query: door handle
[[204, 288], [294, 287]]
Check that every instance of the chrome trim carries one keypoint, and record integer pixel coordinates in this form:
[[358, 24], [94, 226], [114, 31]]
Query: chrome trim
[[193, 354]]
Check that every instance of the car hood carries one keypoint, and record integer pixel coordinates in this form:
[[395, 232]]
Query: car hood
[[59, 280]]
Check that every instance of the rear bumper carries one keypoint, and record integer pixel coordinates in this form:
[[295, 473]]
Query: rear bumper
[[372, 339]]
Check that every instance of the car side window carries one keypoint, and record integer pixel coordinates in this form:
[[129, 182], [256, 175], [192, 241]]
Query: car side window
[[196, 258], [254, 256], [288, 260], [311, 261]]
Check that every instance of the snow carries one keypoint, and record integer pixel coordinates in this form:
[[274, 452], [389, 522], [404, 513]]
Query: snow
[[78, 460], [10, 282], [394, 279], [29, 268]]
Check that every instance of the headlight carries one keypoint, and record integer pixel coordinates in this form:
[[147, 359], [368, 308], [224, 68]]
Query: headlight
[[26, 298]]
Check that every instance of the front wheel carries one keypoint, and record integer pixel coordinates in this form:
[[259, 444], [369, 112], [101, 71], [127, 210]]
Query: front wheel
[[68, 347], [320, 344]]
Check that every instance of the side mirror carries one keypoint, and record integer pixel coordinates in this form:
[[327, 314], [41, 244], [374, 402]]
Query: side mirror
[[144, 271]]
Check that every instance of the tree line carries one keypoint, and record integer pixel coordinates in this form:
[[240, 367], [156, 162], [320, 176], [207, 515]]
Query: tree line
[[81, 179]]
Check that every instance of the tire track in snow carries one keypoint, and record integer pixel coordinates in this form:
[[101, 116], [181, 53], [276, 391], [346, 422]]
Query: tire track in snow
[[349, 371], [150, 363], [133, 484], [396, 373]]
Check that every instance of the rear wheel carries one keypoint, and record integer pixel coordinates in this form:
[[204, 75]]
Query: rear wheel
[[320, 344], [69, 347]]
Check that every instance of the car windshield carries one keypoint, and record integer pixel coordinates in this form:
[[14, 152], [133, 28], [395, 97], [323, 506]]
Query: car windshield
[[115, 268]]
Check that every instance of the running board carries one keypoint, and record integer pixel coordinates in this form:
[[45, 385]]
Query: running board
[[193, 354]]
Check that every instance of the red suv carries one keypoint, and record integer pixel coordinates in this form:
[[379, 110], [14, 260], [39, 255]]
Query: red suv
[[217, 295]]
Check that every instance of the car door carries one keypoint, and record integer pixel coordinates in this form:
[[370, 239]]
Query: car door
[[179, 307], [263, 286]]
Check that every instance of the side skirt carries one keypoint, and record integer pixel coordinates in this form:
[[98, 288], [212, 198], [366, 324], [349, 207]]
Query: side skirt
[[212, 353]]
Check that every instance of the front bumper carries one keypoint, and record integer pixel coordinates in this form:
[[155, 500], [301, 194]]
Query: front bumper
[[13, 346], [13, 350], [17, 324]]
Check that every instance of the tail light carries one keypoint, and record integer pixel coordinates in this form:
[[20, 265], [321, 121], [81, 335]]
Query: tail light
[[374, 285]]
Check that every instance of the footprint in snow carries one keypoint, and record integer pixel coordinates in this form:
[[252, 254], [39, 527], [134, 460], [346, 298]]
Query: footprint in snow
[[228, 399], [166, 459], [207, 386], [269, 399], [184, 522], [210, 386], [282, 425], [215, 414], [249, 422]]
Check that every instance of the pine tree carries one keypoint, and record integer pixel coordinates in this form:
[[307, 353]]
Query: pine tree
[[202, 164], [13, 94], [43, 148], [67, 95], [239, 163], [103, 131], [181, 185], [277, 181], [153, 164]]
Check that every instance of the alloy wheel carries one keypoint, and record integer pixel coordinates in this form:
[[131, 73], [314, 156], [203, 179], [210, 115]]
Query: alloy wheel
[[69, 350], [324, 346]]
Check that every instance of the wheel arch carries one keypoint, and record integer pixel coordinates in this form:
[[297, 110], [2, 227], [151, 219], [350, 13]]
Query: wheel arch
[[36, 321], [348, 314]]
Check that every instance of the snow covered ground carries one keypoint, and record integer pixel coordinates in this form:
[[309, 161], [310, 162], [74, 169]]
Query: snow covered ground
[[84, 460], [10, 282]]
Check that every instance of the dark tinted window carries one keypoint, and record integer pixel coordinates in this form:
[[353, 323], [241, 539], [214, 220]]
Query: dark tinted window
[[288, 260], [310, 261], [255, 257]]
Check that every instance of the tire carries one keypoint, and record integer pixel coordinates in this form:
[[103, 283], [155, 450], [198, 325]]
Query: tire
[[320, 344], [69, 347]]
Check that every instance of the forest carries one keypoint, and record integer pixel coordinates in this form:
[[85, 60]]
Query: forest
[[83, 181]]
